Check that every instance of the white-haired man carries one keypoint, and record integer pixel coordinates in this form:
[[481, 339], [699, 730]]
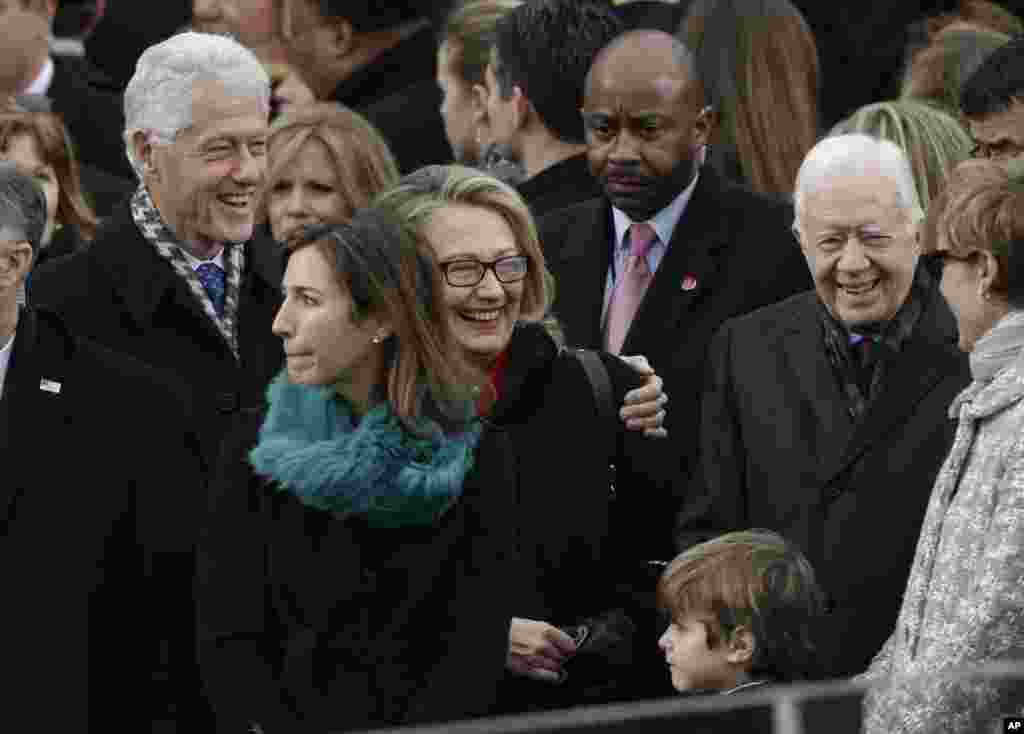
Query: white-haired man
[[176, 277], [824, 416]]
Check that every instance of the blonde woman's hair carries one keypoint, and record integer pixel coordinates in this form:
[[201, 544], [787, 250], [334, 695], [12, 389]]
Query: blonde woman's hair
[[933, 140], [421, 193], [358, 152]]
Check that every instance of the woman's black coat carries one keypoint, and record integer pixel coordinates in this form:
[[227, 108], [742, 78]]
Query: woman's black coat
[[576, 540], [314, 624]]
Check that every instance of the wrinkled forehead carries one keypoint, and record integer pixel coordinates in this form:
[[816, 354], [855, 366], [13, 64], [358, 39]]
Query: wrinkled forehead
[[625, 91], [852, 199]]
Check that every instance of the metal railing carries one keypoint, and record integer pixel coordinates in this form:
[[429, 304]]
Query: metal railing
[[832, 708]]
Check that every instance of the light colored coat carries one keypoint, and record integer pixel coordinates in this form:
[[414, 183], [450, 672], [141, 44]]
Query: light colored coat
[[964, 603]]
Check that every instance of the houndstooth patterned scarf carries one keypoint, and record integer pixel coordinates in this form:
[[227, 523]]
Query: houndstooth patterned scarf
[[156, 232]]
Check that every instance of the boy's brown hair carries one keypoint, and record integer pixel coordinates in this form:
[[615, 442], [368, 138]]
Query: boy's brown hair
[[754, 579]]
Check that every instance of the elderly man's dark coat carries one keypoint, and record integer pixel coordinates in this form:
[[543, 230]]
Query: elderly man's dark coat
[[780, 451], [98, 470], [121, 293]]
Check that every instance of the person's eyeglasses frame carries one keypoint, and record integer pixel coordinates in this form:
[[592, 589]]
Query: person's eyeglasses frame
[[936, 260], [484, 267]]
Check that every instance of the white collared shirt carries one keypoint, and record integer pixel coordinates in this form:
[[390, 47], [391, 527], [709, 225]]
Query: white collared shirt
[[5, 360], [664, 225], [41, 84], [194, 262]]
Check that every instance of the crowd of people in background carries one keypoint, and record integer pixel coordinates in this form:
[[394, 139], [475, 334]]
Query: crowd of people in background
[[374, 364]]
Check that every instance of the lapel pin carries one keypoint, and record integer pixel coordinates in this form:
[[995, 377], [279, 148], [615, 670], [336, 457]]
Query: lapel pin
[[49, 386], [689, 282]]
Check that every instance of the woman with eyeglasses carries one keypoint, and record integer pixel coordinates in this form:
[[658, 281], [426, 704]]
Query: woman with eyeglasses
[[964, 603], [574, 531]]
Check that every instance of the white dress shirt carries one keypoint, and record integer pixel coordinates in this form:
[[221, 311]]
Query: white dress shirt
[[5, 360], [664, 225], [41, 84], [194, 262]]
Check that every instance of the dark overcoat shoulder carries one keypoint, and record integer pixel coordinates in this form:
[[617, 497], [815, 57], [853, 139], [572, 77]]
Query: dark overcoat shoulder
[[314, 623], [101, 478]]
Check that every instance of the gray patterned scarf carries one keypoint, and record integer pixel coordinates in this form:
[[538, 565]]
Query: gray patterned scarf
[[998, 348], [157, 233]]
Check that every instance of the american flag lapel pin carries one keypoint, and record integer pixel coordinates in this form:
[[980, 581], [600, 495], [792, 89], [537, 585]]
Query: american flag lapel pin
[[49, 386], [689, 282]]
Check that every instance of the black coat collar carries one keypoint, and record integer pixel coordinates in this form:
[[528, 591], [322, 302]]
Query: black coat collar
[[143, 278], [531, 354], [928, 356]]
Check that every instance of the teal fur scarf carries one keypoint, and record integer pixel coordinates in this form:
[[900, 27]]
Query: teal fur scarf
[[378, 469]]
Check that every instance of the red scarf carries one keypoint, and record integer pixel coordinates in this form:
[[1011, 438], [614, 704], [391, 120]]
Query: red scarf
[[490, 393]]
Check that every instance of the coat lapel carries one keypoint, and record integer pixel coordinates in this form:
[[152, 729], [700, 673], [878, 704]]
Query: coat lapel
[[925, 359], [32, 408], [142, 278], [805, 354], [692, 253]]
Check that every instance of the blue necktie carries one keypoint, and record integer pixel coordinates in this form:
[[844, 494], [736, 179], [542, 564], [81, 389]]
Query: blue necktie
[[212, 278]]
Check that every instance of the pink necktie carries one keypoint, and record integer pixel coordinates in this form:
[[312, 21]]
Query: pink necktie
[[630, 285]]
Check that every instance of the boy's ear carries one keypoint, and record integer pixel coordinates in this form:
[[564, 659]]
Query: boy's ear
[[342, 37], [742, 646]]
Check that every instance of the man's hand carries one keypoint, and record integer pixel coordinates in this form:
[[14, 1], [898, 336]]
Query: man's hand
[[643, 408], [538, 650]]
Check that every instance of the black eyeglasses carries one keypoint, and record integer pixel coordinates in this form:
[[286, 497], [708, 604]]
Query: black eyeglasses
[[468, 273]]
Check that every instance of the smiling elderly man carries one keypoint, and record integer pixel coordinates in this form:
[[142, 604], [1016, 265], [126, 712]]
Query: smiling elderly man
[[824, 416], [176, 277]]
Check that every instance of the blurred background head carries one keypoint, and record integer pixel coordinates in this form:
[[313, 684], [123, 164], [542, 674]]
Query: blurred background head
[[758, 60]]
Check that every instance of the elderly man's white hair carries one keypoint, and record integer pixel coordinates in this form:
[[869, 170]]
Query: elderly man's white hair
[[856, 154], [158, 99]]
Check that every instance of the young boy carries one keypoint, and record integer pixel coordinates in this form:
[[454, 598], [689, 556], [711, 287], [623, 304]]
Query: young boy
[[743, 609]]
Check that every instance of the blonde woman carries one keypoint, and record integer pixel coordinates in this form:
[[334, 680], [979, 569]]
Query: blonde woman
[[933, 140], [324, 162]]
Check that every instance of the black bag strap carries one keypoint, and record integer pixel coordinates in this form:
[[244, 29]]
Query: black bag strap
[[601, 385]]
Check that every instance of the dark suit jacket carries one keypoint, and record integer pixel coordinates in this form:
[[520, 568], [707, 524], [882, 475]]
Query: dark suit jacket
[[411, 123], [780, 451], [739, 248], [93, 114], [104, 190], [566, 183], [121, 293], [98, 470], [398, 94]]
